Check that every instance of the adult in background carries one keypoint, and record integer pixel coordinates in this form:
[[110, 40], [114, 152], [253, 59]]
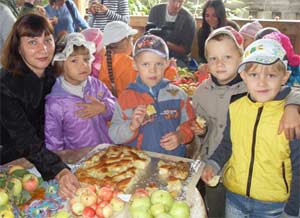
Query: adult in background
[[25, 80], [180, 28], [213, 17], [65, 16], [7, 20], [102, 12]]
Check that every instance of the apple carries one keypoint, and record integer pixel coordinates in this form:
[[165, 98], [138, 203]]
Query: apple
[[6, 214], [157, 209], [62, 214], [140, 212], [77, 208], [88, 199], [15, 167], [3, 179], [106, 193], [3, 197], [15, 186], [107, 211], [141, 202], [88, 212], [180, 209], [162, 197], [117, 204], [163, 215], [30, 182]]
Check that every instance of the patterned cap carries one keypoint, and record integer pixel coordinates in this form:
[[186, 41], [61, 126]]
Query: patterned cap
[[284, 40], [151, 43], [263, 51], [232, 33], [250, 29]]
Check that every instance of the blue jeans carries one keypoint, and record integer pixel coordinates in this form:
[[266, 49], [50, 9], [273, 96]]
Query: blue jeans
[[238, 206]]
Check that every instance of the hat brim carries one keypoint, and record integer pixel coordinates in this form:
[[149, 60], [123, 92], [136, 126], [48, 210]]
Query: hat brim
[[250, 60]]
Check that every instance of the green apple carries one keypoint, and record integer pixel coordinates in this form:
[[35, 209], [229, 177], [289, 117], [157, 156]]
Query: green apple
[[140, 212], [6, 214], [62, 214], [141, 202], [117, 204], [162, 197], [3, 197], [164, 215], [15, 186], [3, 179], [157, 209], [180, 209]]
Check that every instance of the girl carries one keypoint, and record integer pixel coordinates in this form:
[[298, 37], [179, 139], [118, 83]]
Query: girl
[[65, 127]]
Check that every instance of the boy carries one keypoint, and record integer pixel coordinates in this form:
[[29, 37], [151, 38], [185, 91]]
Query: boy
[[223, 50], [152, 114], [262, 166]]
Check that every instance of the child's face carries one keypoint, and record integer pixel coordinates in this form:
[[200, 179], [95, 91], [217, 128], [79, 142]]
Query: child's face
[[223, 59], [264, 81], [150, 67], [77, 68]]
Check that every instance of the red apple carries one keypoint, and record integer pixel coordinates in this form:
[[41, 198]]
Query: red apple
[[106, 193], [88, 199], [88, 212], [30, 182]]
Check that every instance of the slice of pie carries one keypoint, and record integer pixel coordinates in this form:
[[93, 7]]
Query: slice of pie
[[119, 166]]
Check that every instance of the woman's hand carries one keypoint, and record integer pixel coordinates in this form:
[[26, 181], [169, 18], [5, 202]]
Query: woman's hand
[[138, 117], [68, 183], [170, 141], [91, 109], [290, 122]]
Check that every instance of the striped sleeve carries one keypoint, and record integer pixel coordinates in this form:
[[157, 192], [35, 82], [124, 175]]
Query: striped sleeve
[[122, 12]]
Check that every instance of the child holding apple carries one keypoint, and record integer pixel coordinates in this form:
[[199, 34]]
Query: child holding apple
[[152, 114]]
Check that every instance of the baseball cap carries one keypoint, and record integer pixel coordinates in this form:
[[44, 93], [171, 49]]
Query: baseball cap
[[93, 35], [229, 31], [284, 40], [115, 31], [250, 29], [151, 43], [263, 51]]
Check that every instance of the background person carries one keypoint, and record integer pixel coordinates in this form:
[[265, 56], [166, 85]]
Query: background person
[[249, 31], [65, 16], [104, 11], [181, 28], [213, 17], [25, 81]]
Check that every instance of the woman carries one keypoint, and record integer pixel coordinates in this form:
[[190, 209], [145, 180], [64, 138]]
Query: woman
[[213, 17], [25, 81]]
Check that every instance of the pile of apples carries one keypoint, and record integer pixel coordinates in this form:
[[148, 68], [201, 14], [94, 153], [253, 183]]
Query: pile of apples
[[15, 186], [158, 204], [91, 201]]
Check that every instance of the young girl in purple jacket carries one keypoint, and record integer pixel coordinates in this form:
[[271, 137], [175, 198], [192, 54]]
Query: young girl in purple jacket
[[79, 106]]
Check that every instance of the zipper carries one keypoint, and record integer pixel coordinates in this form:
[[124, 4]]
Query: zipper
[[284, 177], [259, 112]]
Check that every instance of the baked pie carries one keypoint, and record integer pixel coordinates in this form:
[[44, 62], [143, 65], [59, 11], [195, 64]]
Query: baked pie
[[119, 166]]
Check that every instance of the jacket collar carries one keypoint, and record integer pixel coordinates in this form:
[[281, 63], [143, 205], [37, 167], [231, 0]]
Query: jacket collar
[[236, 80]]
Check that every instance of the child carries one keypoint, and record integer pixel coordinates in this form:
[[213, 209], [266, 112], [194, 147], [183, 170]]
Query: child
[[262, 166], [248, 32], [223, 50], [292, 57], [95, 35], [152, 114], [66, 127], [117, 70]]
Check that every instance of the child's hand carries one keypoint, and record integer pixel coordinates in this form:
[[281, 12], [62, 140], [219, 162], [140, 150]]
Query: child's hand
[[170, 141], [138, 117], [200, 131], [92, 109], [290, 122], [203, 68], [207, 174]]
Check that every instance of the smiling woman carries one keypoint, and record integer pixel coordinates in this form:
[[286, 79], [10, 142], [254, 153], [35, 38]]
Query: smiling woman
[[25, 81]]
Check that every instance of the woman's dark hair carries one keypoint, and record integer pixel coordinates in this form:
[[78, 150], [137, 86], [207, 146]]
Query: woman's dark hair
[[205, 29], [30, 25]]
